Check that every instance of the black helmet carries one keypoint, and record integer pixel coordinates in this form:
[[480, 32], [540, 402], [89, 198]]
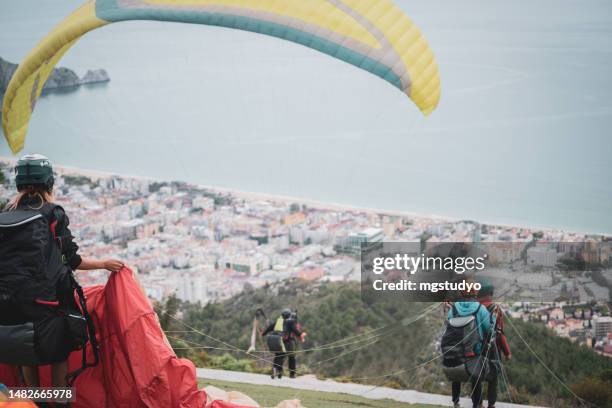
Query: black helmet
[[486, 287], [34, 170], [286, 313]]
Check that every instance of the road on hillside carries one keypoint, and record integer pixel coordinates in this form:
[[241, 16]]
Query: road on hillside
[[310, 382]]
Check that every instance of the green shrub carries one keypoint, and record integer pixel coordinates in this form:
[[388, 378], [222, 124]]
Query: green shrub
[[596, 390]]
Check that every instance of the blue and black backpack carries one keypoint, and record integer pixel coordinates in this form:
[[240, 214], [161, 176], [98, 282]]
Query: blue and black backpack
[[461, 346]]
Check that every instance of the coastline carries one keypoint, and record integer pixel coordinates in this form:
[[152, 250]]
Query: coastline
[[318, 204]]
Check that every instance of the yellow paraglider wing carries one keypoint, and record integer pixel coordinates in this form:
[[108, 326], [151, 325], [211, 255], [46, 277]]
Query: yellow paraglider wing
[[27, 83], [374, 35]]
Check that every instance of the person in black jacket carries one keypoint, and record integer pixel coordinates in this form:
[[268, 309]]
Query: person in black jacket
[[35, 181], [288, 329]]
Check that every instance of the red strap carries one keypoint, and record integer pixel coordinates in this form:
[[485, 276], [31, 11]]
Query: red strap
[[47, 302], [53, 225]]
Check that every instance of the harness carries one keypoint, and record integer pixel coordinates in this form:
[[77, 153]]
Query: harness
[[91, 332], [91, 328], [491, 351]]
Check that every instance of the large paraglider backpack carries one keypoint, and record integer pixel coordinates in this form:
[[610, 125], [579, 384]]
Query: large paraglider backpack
[[33, 274], [459, 343], [274, 340]]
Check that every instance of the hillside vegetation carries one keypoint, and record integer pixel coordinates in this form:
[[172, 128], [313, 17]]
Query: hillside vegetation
[[379, 343]]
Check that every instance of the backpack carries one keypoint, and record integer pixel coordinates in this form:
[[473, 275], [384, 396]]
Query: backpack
[[274, 340], [460, 340], [30, 263], [32, 271]]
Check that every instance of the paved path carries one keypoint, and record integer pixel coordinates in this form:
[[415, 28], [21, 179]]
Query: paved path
[[310, 382]]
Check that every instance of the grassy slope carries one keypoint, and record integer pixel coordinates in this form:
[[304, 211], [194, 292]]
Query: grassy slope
[[269, 396], [334, 311]]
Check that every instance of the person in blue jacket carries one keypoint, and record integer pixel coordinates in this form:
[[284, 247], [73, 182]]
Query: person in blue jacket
[[467, 306]]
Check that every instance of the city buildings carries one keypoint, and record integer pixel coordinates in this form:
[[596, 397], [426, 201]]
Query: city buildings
[[205, 245]]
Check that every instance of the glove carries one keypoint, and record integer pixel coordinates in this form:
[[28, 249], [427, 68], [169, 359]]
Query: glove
[[303, 336]]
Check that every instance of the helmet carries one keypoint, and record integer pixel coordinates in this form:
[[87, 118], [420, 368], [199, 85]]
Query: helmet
[[486, 287], [472, 293], [286, 313], [32, 170]]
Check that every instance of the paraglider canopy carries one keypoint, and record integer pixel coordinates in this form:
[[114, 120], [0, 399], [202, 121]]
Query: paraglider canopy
[[374, 35]]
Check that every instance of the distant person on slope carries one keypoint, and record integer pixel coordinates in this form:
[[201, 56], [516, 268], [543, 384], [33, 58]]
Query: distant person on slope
[[298, 326], [485, 297], [36, 265], [468, 306], [282, 341]]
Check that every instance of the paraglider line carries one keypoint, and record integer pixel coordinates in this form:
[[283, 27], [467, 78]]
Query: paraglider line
[[545, 366], [503, 375], [479, 376], [370, 340], [335, 358], [331, 346], [375, 332], [196, 345], [491, 341], [217, 340], [179, 331], [408, 369]]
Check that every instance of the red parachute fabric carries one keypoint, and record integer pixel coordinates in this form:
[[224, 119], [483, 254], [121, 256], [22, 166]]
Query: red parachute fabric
[[137, 365]]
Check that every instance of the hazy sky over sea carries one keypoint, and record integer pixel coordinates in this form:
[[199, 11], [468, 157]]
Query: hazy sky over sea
[[521, 136]]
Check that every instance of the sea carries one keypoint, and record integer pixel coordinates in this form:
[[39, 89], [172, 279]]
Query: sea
[[522, 135]]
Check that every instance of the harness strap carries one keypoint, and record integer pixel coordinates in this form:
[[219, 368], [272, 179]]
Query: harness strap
[[492, 308], [477, 310], [491, 341], [91, 331]]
